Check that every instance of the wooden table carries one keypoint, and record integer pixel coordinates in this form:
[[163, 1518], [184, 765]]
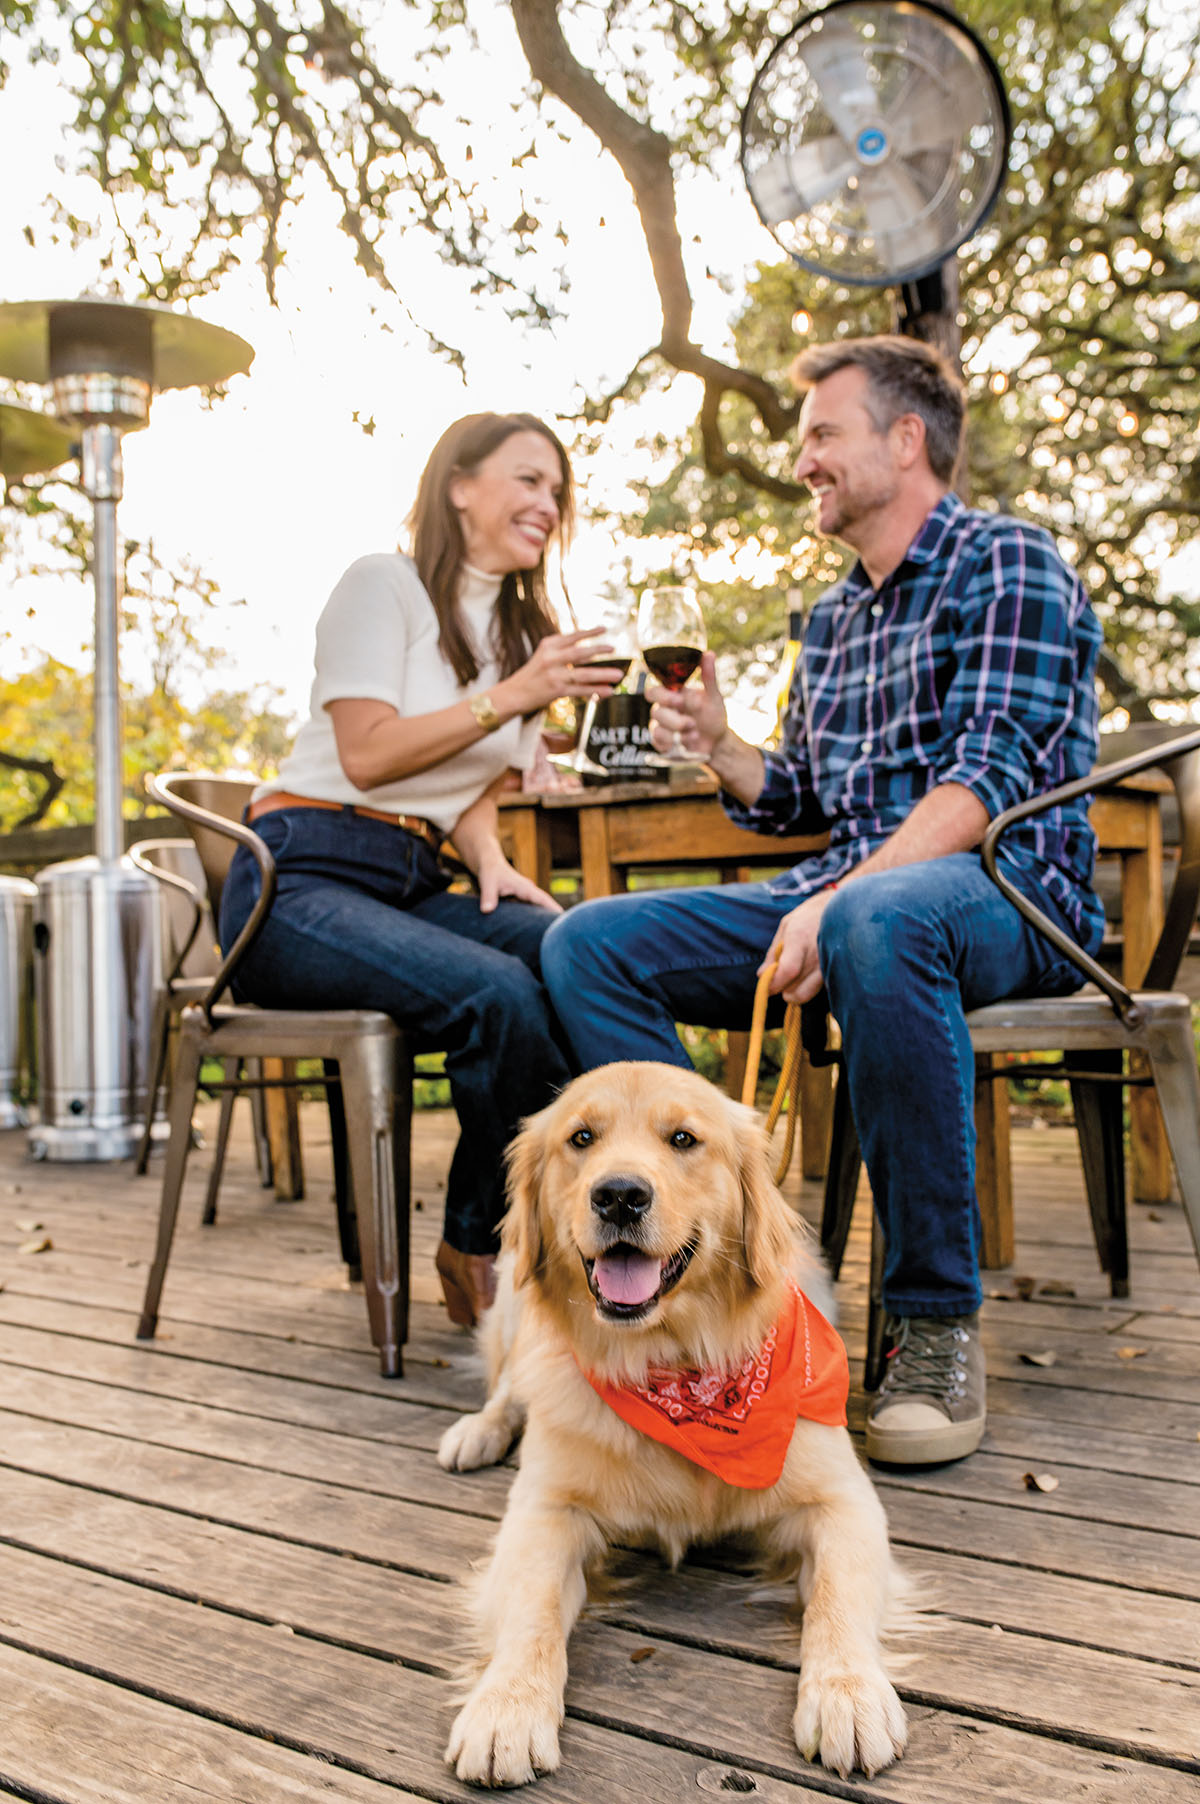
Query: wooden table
[[607, 832]]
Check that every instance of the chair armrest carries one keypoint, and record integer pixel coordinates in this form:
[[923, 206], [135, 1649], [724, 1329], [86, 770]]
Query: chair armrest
[[1111, 776], [182, 887], [162, 790]]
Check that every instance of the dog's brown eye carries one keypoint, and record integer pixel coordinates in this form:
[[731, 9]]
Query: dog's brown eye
[[682, 1139], [582, 1137]]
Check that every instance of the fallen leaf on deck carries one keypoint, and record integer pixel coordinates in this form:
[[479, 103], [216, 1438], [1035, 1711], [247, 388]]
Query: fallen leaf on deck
[[1039, 1359], [1153, 1215], [639, 1654], [1054, 1287], [1002, 1296], [1131, 1352], [43, 1244], [30, 1227], [1024, 1288], [1040, 1481], [443, 1363]]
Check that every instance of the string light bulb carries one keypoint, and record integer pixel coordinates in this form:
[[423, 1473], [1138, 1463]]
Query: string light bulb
[[998, 382], [801, 321], [1128, 423]]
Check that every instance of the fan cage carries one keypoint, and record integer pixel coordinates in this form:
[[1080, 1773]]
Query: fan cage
[[883, 172]]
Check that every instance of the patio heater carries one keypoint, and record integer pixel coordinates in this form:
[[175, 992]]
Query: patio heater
[[30, 442], [96, 920]]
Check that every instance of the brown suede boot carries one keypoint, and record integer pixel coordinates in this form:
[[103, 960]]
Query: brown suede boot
[[468, 1283]]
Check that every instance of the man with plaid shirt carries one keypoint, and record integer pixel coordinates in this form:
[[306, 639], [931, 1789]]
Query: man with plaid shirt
[[950, 675]]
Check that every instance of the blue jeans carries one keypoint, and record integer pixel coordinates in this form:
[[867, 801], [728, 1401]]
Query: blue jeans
[[904, 954], [362, 918]]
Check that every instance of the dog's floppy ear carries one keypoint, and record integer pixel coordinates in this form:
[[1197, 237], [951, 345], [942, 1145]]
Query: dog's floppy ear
[[521, 1230], [768, 1225]]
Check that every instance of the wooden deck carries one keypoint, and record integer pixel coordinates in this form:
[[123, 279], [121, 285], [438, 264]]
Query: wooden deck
[[228, 1560]]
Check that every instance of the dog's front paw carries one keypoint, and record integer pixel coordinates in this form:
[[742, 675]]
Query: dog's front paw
[[479, 1440], [504, 1735], [850, 1719]]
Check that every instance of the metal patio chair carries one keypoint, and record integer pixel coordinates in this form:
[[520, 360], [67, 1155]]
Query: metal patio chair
[[1097, 1029], [367, 1063], [191, 961]]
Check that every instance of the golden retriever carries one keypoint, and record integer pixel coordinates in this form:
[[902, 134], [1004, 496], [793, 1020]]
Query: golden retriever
[[645, 1243]]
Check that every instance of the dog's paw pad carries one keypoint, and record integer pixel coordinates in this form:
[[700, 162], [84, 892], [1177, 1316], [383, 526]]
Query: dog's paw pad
[[849, 1721], [500, 1741], [471, 1442]]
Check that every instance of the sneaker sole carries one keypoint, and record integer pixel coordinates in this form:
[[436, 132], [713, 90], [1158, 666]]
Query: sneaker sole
[[923, 1447]]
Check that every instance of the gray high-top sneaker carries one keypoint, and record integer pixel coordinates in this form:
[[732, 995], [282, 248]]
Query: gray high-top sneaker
[[930, 1406]]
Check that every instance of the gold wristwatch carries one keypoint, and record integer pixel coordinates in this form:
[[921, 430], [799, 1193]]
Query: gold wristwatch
[[484, 710]]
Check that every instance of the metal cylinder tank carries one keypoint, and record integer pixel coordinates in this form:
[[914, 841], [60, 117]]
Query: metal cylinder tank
[[16, 1000], [98, 966]]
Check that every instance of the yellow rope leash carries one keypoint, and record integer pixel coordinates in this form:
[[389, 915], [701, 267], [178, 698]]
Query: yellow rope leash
[[789, 1076]]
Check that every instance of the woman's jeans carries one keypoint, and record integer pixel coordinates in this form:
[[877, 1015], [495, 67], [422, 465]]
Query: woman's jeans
[[904, 954], [362, 919]]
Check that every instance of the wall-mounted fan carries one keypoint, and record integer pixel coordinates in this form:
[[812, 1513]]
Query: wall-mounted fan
[[875, 140]]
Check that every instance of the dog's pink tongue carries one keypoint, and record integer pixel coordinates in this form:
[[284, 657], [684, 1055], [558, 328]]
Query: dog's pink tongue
[[627, 1277]]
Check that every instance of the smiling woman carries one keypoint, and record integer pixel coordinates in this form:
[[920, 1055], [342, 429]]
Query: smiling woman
[[510, 503], [432, 671]]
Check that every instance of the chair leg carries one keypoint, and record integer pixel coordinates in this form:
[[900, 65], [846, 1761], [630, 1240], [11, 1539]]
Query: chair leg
[[1099, 1122], [876, 1359], [183, 1101], [342, 1190], [230, 1071], [1177, 1081], [258, 1125], [160, 1034], [377, 1098], [841, 1179]]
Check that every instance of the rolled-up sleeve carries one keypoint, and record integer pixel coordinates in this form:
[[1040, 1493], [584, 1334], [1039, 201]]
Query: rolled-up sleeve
[[786, 802], [1024, 628]]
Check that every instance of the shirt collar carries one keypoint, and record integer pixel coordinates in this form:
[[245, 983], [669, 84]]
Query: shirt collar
[[477, 588], [939, 524]]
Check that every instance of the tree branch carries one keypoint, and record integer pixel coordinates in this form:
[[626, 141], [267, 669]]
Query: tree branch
[[39, 768], [644, 157]]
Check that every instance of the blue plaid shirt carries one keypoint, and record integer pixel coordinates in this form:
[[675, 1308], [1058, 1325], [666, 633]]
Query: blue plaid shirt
[[974, 663]]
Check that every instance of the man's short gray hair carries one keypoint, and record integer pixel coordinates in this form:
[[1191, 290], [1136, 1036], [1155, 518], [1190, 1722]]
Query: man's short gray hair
[[904, 375]]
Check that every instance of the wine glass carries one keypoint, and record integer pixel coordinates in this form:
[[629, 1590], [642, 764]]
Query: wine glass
[[614, 618], [672, 640]]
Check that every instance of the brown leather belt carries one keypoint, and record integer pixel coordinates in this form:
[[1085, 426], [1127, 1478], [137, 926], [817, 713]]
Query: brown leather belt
[[411, 823]]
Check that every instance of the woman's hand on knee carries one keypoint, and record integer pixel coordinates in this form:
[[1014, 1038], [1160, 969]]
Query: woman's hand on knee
[[496, 878]]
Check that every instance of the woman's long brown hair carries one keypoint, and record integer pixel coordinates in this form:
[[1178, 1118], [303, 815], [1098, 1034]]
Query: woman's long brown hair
[[523, 612]]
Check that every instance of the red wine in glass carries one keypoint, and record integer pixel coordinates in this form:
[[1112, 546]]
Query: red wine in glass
[[672, 664], [616, 662], [671, 639]]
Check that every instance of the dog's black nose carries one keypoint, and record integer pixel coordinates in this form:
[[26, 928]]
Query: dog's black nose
[[621, 1201]]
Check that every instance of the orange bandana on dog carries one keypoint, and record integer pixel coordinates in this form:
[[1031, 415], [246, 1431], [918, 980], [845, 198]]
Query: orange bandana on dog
[[739, 1425]]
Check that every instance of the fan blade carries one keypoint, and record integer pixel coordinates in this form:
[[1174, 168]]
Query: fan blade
[[795, 180], [929, 115], [896, 207], [841, 74]]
